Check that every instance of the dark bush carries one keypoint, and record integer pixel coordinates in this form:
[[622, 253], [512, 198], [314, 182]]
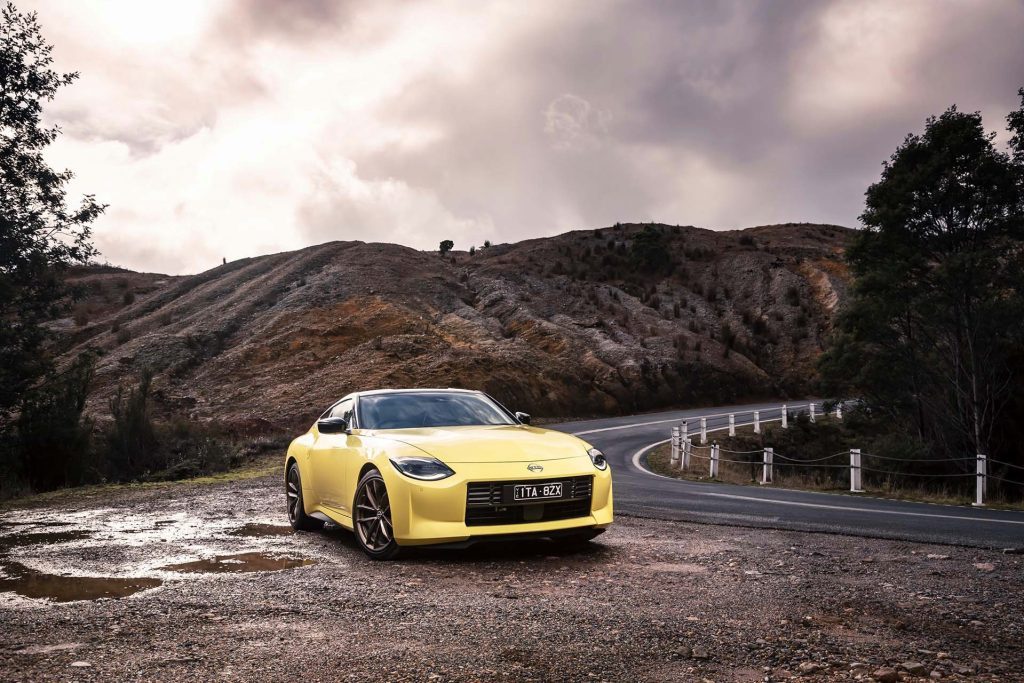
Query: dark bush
[[52, 440], [131, 443]]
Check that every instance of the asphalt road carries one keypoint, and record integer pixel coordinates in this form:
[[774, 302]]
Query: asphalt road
[[643, 493]]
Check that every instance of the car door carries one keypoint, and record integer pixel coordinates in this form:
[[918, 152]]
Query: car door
[[330, 457]]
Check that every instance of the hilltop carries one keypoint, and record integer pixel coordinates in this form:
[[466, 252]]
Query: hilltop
[[619, 319]]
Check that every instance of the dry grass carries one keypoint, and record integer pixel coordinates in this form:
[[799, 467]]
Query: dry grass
[[259, 466], [826, 480]]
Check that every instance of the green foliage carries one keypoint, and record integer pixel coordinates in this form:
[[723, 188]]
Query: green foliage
[[932, 334], [136, 447], [131, 439], [446, 246], [649, 251], [52, 440], [1015, 124], [40, 235], [829, 441], [188, 449]]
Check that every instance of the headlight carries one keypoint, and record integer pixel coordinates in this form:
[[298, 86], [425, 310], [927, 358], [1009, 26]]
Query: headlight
[[425, 467], [597, 457]]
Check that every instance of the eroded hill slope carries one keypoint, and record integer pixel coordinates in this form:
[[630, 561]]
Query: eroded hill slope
[[582, 323]]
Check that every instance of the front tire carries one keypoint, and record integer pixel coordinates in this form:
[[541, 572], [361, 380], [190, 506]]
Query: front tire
[[297, 516], [372, 518]]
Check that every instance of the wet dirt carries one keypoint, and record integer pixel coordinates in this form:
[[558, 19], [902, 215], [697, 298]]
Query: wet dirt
[[44, 538], [30, 583], [648, 601], [260, 530], [242, 562]]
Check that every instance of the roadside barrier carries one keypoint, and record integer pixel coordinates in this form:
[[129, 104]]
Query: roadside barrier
[[683, 451]]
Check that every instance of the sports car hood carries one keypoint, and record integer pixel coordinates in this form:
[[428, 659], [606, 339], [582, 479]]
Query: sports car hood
[[491, 443]]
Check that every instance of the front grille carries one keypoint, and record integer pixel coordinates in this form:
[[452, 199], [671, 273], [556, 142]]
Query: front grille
[[488, 502]]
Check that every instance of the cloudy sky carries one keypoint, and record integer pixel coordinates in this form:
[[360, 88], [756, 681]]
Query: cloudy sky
[[242, 127]]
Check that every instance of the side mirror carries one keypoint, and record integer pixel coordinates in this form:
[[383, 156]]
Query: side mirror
[[332, 425], [523, 417]]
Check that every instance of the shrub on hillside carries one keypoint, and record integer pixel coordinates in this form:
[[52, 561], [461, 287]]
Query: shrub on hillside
[[131, 443], [52, 441]]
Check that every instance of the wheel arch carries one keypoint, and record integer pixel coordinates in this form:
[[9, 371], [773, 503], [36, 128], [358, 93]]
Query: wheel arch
[[366, 468]]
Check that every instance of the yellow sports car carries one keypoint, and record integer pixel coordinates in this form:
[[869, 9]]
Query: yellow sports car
[[443, 467]]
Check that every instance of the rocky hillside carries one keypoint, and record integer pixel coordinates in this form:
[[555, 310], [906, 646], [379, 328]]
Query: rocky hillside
[[620, 319]]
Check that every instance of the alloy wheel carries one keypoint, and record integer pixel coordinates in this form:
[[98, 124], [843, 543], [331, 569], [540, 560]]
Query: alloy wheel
[[294, 492], [373, 515]]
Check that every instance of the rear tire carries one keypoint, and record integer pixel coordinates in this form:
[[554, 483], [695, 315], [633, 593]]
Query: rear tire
[[297, 516], [371, 516]]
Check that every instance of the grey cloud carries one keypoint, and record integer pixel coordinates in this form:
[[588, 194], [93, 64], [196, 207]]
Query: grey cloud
[[711, 80], [569, 115]]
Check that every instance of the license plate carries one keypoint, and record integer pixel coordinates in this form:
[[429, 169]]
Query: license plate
[[537, 491]]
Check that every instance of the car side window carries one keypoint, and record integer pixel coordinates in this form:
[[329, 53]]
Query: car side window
[[343, 409]]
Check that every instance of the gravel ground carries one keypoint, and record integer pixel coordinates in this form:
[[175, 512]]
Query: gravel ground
[[649, 601]]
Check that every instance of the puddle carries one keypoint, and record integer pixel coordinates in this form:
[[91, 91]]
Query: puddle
[[32, 584], [254, 529], [243, 562], [45, 538]]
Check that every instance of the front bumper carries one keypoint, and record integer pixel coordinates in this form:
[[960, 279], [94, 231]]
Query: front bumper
[[434, 512]]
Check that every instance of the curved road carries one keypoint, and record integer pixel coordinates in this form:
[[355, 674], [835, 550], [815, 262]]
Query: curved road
[[641, 492]]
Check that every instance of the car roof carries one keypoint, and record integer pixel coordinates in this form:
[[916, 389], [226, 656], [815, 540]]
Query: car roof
[[375, 392]]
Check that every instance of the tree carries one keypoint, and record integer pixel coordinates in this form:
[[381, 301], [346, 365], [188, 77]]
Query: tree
[[446, 246], [649, 251], [936, 315], [487, 244], [53, 441], [132, 443], [1015, 124], [40, 234]]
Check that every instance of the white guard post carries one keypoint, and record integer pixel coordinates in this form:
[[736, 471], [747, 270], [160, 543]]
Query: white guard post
[[674, 458], [785, 416], [839, 410], [714, 461], [732, 424], [687, 452], [979, 498], [769, 457], [757, 421], [855, 472], [811, 407], [703, 430]]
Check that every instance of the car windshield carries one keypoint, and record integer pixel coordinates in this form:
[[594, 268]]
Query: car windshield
[[428, 409]]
